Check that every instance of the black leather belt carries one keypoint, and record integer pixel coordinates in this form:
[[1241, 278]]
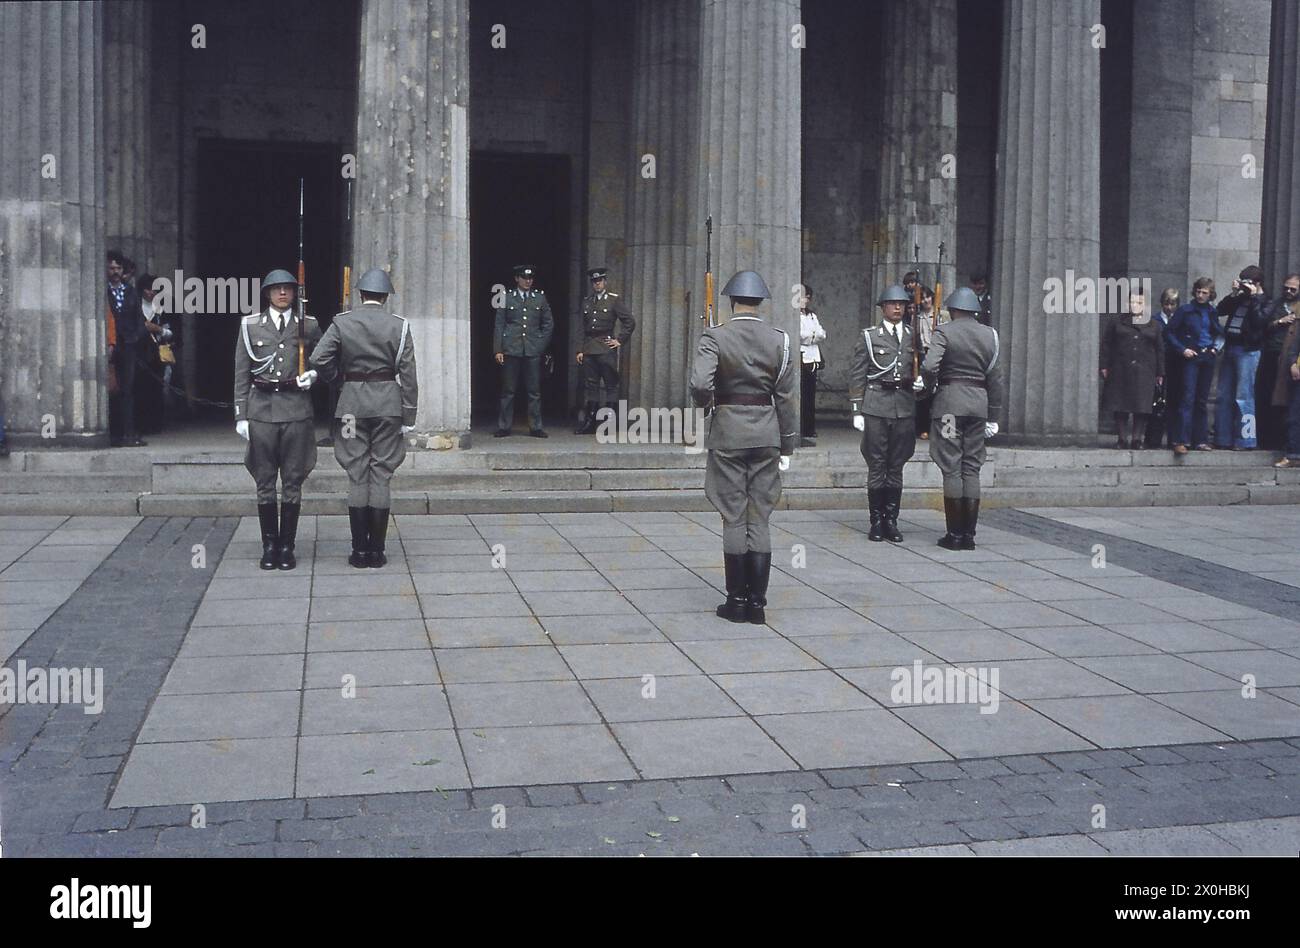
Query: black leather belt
[[380, 376], [289, 386], [964, 380], [886, 386], [737, 399]]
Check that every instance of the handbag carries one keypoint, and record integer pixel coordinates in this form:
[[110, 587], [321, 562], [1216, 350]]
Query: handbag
[[165, 354]]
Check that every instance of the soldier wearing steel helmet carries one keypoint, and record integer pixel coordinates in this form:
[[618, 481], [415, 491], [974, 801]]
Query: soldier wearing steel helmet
[[744, 370], [273, 412], [884, 410], [963, 364], [371, 350]]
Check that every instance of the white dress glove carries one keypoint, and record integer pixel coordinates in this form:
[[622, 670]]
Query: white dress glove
[[990, 428], [407, 429], [859, 422], [783, 465], [241, 429], [306, 379], [918, 384]]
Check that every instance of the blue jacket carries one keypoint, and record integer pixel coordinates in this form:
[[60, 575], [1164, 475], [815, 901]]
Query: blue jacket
[[1193, 326]]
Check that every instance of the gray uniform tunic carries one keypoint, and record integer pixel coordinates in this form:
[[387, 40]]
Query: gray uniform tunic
[[963, 361], [281, 439], [747, 358], [368, 444], [880, 389]]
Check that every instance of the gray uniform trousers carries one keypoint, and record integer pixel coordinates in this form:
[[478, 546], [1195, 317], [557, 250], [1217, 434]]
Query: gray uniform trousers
[[283, 449], [887, 444], [369, 456], [959, 455], [744, 486]]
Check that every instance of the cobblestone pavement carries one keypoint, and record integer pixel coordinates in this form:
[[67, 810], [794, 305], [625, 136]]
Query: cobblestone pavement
[[543, 684]]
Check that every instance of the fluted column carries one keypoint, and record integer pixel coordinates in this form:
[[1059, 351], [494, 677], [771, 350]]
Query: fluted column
[[52, 195], [1280, 230], [411, 213], [127, 161], [664, 291], [750, 174], [918, 141], [1047, 215]]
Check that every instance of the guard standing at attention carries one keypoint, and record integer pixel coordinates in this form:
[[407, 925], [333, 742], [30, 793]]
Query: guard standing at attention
[[884, 410], [602, 312], [273, 412], [746, 372], [963, 362], [372, 349], [521, 338]]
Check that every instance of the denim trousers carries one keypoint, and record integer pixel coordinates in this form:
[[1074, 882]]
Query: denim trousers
[[1234, 414]]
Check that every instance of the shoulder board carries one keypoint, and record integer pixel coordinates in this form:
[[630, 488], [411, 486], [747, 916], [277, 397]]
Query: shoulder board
[[614, 295], [395, 316], [312, 318], [252, 316], [346, 312]]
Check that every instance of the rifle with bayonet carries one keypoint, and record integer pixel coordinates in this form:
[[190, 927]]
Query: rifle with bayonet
[[709, 315], [302, 287]]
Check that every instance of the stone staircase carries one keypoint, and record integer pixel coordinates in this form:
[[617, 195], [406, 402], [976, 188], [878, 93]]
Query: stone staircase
[[573, 474]]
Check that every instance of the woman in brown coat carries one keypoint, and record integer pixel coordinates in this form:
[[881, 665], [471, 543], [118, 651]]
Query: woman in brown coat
[[1132, 365]]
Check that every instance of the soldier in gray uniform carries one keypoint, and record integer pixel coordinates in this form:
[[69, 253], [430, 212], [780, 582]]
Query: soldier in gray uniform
[[963, 361], [884, 410], [522, 336], [273, 412], [607, 325], [746, 372], [371, 348]]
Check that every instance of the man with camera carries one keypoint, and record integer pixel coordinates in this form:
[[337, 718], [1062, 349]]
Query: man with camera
[[1247, 312]]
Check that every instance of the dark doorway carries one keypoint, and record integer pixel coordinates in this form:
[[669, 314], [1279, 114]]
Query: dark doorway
[[519, 213], [248, 225]]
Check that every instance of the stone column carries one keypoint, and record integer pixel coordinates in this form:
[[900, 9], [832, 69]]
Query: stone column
[[1047, 216], [127, 139], [1280, 232], [918, 184], [53, 368], [411, 214], [665, 292], [750, 137]]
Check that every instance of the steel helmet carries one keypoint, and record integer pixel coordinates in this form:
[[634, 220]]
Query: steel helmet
[[375, 280], [964, 299], [747, 283], [278, 277], [894, 294]]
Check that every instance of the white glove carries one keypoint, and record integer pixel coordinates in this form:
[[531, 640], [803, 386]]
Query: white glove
[[306, 379], [990, 428], [783, 465], [918, 384], [859, 422], [241, 429], [407, 429]]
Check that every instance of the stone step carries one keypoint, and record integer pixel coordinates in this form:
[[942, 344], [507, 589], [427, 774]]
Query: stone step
[[234, 478], [62, 482], [118, 461]]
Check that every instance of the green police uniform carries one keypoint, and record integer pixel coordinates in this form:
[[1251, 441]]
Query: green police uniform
[[604, 318], [523, 333]]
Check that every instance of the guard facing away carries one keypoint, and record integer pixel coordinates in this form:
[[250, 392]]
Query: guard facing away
[[746, 372], [963, 362], [520, 339], [273, 412], [607, 325], [371, 349], [884, 410]]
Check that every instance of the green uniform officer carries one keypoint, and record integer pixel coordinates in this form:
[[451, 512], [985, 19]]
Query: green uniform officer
[[520, 339], [607, 325]]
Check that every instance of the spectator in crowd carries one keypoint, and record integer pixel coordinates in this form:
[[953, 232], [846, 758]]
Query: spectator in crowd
[[127, 333], [1273, 378], [924, 330], [1287, 390], [811, 334], [1195, 336], [153, 374], [1131, 368], [1246, 309], [979, 282], [1166, 397]]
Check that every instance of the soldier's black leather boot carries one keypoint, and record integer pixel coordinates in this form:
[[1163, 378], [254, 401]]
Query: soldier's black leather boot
[[874, 504], [359, 523], [734, 609], [288, 534], [889, 514], [266, 518], [970, 514], [952, 515], [758, 567], [588, 425], [378, 533]]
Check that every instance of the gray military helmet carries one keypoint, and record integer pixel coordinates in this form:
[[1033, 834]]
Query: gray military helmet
[[894, 294], [747, 283], [278, 277], [965, 300], [375, 280]]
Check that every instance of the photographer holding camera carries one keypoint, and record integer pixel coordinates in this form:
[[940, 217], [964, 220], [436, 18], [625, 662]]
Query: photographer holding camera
[[1247, 312]]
